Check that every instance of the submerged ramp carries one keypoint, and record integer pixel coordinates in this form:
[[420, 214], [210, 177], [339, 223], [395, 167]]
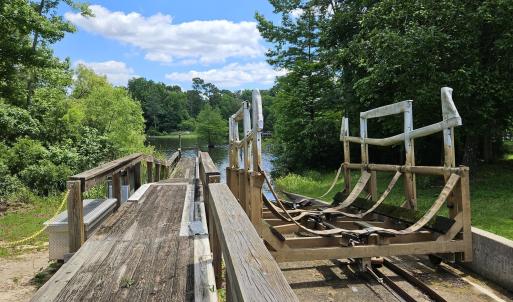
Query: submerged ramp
[[140, 253]]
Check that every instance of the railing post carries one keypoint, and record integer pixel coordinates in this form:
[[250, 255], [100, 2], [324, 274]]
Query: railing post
[[157, 170], [149, 171], [125, 181], [242, 180], [75, 216], [464, 207], [137, 175], [116, 188], [215, 247], [232, 180], [255, 200]]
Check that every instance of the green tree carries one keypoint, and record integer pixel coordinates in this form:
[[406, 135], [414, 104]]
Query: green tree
[[350, 56], [27, 29], [408, 50], [165, 107], [305, 107], [207, 91], [211, 127], [110, 110]]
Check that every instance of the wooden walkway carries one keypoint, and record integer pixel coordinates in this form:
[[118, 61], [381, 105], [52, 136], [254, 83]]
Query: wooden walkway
[[141, 253]]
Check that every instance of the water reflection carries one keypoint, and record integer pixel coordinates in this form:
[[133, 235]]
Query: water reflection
[[219, 154]]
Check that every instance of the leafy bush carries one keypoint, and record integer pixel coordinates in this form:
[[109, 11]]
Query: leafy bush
[[45, 177], [64, 155], [10, 184], [25, 152], [16, 122], [93, 148]]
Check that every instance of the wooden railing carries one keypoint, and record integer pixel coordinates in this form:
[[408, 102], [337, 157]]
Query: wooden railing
[[126, 169], [252, 274]]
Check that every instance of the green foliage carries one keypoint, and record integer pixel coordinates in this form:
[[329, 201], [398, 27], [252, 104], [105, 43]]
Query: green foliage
[[25, 152], [45, 177], [10, 183], [16, 122], [27, 29], [188, 125], [351, 56], [110, 110], [211, 127], [306, 108], [164, 107]]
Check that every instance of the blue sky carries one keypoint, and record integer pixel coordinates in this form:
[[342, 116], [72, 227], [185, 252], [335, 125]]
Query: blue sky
[[172, 42]]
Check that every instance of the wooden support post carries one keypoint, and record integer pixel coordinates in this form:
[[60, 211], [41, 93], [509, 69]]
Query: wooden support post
[[125, 180], [149, 171], [373, 186], [241, 177], [228, 179], [216, 249], [233, 181], [137, 175], [255, 201], [463, 202], [347, 155], [409, 178], [209, 179], [129, 177], [75, 216], [157, 171], [116, 188]]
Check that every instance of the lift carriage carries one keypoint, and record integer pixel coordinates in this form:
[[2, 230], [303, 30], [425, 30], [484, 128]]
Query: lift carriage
[[358, 225]]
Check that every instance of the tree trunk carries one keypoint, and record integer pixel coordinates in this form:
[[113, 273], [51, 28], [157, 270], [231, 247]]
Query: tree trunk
[[31, 77]]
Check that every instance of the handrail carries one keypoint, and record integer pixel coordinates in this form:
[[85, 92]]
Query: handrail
[[252, 272], [95, 175], [79, 183]]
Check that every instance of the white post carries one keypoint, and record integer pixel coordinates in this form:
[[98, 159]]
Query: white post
[[448, 111], [363, 136], [247, 131], [258, 126]]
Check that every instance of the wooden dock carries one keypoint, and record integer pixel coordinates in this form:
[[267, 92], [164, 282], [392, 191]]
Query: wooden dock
[[140, 253], [167, 241]]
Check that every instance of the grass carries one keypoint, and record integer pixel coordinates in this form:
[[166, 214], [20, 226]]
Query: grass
[[490, 188], [24, 218], [508, 146]]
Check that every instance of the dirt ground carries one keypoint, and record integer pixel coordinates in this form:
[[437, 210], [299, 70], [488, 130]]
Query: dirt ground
[[16, 274]]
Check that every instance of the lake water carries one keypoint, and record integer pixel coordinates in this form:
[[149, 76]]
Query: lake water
[[219, 154]]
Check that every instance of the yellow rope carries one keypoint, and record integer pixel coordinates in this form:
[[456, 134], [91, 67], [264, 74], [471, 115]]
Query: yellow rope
[[17, 242]]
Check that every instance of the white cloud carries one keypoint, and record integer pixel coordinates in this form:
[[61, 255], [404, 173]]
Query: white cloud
[[232, 75], [205, 41], [118, 73]]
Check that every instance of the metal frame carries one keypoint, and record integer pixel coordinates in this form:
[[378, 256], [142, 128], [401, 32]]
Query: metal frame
[[284, 232]]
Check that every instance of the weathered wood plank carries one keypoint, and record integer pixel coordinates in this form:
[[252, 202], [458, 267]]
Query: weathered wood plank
[[252, 271], [136, 255]]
